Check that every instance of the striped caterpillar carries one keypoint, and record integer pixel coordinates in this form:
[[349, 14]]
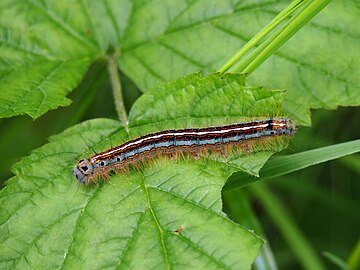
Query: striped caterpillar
[[170, 142]]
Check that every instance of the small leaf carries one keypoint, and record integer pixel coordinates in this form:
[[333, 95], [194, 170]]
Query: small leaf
[[28, 93], [165, 214]]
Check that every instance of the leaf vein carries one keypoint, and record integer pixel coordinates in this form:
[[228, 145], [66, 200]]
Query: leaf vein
[[148, 68], [130, 240], [202, 251], [195, 63], [160, 229], [187, 200], [69, 30], [112, 19], [94, 191], [46, 229]]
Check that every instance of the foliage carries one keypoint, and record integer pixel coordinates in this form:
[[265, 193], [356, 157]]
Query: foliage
[[166, 213]]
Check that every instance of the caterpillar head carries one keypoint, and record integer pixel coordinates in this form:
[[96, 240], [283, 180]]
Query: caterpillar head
[[84, 171]]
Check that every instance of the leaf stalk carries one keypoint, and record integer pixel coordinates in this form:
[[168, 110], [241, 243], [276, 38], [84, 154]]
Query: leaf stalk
[[117, 91]]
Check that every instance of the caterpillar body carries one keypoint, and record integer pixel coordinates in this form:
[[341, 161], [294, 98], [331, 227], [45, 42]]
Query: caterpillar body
[[172, 142]]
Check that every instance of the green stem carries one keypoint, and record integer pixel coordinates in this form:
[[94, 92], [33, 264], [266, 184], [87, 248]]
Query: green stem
[[287, 227], [259, 36], [291, 28], [116, 87]]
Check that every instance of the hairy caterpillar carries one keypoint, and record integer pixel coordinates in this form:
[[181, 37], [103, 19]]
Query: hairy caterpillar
[[170, 142]]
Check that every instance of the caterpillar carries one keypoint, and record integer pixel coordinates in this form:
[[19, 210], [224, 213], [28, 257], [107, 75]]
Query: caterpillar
[[170, 142]]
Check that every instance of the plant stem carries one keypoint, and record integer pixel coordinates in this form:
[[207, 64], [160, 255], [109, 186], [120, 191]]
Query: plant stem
[[287, 227], [304, 9], [259, 36], [278, 39], [116, 87]]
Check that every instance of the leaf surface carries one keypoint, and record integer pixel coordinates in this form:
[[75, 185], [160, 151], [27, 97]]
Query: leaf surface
[[319, 67], [164, 214], [46, 47]]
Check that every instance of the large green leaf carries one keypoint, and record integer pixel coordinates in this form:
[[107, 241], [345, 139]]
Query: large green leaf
[[46, 47], [165, 214], [318, 67]]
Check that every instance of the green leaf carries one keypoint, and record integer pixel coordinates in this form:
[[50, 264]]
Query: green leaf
[[189, 102], [165, 214], [336, 260], [46, 47], [29, 93], [287, 164], [318, 66], [43, 56]]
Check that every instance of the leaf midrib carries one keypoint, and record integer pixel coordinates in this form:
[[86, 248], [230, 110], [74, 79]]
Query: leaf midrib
[[68, 249], [160, 229], [175, 30]]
